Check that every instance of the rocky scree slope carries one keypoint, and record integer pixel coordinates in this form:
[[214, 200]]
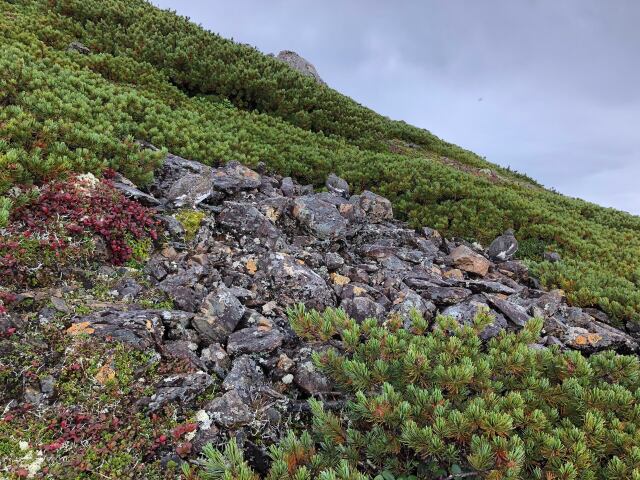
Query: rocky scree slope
[[241, 247]]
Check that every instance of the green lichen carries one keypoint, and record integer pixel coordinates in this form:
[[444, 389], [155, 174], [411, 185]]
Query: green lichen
[[190, 221]]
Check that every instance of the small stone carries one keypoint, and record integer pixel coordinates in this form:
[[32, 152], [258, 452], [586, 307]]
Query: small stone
[[287, 379], [229, 410], [338, 279], [466, 259]]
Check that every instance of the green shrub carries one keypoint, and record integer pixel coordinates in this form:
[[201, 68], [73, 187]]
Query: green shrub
[[430, 404], [157, 77]]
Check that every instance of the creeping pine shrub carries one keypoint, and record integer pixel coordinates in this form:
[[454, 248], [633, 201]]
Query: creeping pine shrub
[[440, 403], [61, 221]]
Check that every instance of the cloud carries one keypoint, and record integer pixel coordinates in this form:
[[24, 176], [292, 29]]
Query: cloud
[[558, 80]]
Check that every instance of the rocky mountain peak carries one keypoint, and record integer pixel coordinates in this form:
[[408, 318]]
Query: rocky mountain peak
[[300, 64]]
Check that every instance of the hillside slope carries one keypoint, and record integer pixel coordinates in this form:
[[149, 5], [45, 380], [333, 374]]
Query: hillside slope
[[154, 76]]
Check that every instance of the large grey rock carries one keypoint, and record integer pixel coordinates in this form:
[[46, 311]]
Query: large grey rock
[[142, 329], [259, 339], [219, 315], [234, 177], [320, 218], [516, 313], [361, 308], [242, 218], [376, 208], [503, 247], [293, 282], [466, 312], [299, 64], [229, 410], [180, 182]]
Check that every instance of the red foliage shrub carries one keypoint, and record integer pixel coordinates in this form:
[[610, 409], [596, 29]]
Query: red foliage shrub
[[65, 214]]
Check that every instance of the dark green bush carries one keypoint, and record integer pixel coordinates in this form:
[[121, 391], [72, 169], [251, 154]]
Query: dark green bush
[[436, 404]]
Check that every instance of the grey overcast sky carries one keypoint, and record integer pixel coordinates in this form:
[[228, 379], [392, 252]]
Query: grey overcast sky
[[548, 87]]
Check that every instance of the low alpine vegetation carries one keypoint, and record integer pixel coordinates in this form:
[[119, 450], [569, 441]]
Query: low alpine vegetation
[[441, 404], [64, 221]]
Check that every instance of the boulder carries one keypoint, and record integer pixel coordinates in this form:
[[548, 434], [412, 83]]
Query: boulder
[[291, 282], [318, 217], [466, 259], [183, 388], [182, 183], [504, 247], [259, 339], [234, 177], [376, 208], [219, 315], [299, 64], [229, 410]]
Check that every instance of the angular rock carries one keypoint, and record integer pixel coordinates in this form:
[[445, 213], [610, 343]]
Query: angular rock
[[182, 182], [466, 312], [376, 208], [229, 411], [234, 177], [142, 329], [516, 313], [294, 282], [320, 218], [310, 380], [219, 315], [446, 295], [361, 308], [248, 220], [183, 388], [504, 247], [466, 259], [254, 340], [337, 185], [299, 64]]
